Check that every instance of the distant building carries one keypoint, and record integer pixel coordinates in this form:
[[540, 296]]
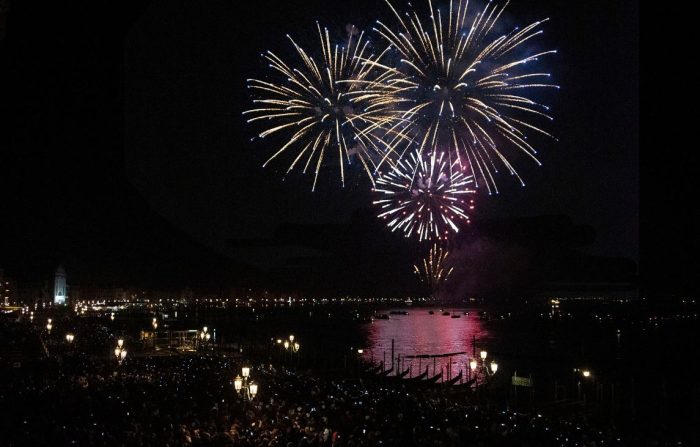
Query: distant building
[[7, 289], [60, 288]]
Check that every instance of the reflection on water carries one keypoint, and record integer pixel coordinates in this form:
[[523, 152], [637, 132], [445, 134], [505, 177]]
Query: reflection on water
[[420, 333]]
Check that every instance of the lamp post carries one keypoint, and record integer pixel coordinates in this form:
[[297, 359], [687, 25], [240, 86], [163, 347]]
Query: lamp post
[[243, 386], [587, 375], [204, 336], [120, 352], [69, 338]]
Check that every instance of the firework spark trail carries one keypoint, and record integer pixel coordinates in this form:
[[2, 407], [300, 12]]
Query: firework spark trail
[[336, 105], [425, 196], [466, 86], [433, 270]]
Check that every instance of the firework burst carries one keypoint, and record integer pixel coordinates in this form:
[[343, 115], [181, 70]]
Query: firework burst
[[467, 85], [328, 107], [425, 195], [433, 270]]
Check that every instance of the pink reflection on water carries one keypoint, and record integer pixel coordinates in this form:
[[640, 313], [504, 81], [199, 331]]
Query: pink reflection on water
[[421, 333]]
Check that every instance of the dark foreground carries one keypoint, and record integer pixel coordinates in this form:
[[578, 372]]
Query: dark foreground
[[189, 400]]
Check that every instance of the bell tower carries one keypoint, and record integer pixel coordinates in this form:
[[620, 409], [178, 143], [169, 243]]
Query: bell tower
[[60, 290]]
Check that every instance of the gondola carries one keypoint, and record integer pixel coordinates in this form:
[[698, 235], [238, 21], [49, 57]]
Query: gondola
[[400, 376], [373, 370], [467, 384], [435, 378], [419, 377], [455, 379], [385, 373]]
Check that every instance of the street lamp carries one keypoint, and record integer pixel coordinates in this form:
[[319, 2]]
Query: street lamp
[[111, 317], [494, 367], [586, 373], [291, 338], [286, 344], [241, 384], [70, 337], [120, 353], [120, 343], [483, 355], [49, 326], [473, 364], [296, 347], [253, 389], [360, 351]]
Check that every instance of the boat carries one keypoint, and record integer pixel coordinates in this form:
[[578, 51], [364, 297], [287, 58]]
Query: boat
[[385, 373], [400, 375], [419, 377], [398, 312], [435, 378], [468, 384], [455, 379], [431, 312], [456, 316], [382, 317], [447, 314], [374, 370], [466, 313]]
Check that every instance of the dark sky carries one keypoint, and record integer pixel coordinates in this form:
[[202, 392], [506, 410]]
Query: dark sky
[[132, 114], [189, 153]]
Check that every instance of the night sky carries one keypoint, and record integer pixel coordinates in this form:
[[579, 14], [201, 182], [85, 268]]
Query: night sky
[[126, 144]]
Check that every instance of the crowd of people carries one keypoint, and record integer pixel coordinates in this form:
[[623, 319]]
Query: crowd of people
[[79, 398]]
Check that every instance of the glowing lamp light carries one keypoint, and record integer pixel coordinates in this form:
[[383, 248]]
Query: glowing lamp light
[[286, 344], [49, 326], [208, 336], [473, 364], [120, 342], [494, 367], [205, 329], [586, 373], [483, 355], [245, 371], [122, 354], [69, 338], [117, 352], [291, 338], [360, 351], [253, 389], [238, 383]]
